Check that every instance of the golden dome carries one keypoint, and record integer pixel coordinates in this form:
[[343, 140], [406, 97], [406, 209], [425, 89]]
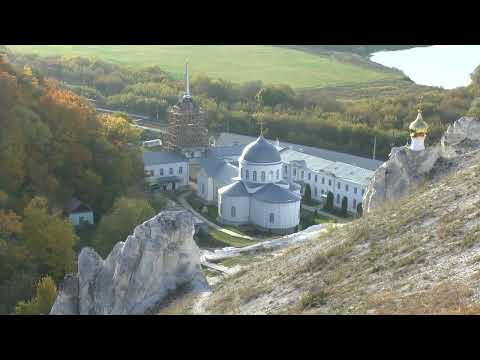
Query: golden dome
[[419, 126]]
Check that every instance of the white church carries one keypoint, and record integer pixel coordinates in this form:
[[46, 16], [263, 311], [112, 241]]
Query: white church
[[259, 195]]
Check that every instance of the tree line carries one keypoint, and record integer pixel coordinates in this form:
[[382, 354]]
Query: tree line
[[53, 146], [290, 115]]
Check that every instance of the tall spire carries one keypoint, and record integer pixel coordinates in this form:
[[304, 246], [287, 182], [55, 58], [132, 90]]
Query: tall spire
[[187, 82]]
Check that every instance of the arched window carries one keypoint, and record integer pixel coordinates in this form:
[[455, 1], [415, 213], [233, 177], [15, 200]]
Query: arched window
[[270, 176], [247, 174], [278, 174], [285, 169], [354, 203], [234, 211], [203, 188], [338, 198], [254, 176], [315, 191], [263, 176], [272, 218]]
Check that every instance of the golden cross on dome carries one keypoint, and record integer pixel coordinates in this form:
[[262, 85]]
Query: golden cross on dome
[[420, 103]]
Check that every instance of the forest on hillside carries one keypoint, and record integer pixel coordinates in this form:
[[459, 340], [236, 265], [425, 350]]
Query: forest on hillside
[[297, 117], [55, 147]]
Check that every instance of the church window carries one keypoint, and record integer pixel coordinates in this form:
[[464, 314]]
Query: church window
[[323, 180], [254, 175], [316, 178], [294, 172], [354, 203], [263, 176], [338, 198], [247, 174], [322, 191], [315, 191], [233, 211], [286, 169], [346, 187], [203, 188], [161, 172], [272, 218], [354, 190], [338, 186], [309, 176], [302, 174], [180, 169], [270, 176], [278, 174], [329, 182], [170, 171]]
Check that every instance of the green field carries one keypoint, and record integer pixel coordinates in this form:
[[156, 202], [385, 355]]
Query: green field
[[236, 63]]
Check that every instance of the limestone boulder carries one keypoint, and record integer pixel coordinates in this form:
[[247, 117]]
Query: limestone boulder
[[156, 260]]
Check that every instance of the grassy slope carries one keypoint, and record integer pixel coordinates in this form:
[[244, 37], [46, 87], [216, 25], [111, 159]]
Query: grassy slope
[[270, 64], [420, 255]]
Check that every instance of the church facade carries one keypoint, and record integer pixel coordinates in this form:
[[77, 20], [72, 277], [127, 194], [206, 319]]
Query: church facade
[[259, 195]]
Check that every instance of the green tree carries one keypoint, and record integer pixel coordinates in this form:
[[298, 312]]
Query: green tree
[[307, 195], [126, 214], [359, 209], [344, 206], [49, 238], [43, 301], [329, 203]]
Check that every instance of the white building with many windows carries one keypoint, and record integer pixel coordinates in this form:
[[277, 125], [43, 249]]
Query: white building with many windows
[[345, 176], [166, 170]]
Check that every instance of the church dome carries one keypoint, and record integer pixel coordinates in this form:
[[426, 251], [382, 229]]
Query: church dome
[[419, 126], [260, 151]]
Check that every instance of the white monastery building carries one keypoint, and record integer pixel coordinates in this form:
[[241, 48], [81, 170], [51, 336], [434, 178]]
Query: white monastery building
[[344, 175], [259, 195], [166, 170]]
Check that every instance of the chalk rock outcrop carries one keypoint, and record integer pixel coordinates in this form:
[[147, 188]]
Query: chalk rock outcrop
[[406, 169], [461, 137], [138, 274]]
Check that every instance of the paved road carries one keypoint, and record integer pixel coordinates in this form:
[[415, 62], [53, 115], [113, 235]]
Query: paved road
[[185, 204]]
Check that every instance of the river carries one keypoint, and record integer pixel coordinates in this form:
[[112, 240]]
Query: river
[[447, 66]]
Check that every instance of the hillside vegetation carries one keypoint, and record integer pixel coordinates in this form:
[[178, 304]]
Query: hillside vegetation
[[53, 147], [235, 63], [342, 118], [420, 255]]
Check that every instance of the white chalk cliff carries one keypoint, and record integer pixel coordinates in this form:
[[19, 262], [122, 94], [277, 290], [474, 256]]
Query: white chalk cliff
[[406, 169], [160, 257]]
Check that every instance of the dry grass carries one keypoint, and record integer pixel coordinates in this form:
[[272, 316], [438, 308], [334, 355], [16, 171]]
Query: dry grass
[[446, 298], [384, 261]]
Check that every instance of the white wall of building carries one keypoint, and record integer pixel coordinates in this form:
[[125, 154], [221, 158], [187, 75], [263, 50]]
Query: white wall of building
[[77, 218], [270, 171], [156, 172], [285, 216], [327, 182], [241, 205]]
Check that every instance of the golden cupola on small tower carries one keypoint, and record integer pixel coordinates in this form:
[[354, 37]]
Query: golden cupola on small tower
[[418, 132]]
